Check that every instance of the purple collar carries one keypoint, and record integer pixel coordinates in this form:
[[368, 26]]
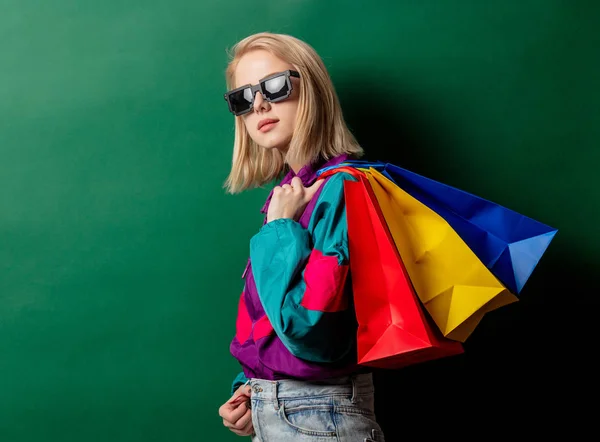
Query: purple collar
[[307, 174]]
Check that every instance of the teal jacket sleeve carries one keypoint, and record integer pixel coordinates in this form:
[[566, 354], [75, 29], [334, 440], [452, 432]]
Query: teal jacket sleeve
[[239, 380], [301, 277]]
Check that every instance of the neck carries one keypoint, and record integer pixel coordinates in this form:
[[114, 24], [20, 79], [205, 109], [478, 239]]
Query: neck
[[296, 167]]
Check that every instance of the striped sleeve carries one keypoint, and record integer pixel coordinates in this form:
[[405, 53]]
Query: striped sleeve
[[301, 277]]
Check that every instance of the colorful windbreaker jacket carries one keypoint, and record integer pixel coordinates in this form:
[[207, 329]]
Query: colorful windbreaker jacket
[[295, 318]]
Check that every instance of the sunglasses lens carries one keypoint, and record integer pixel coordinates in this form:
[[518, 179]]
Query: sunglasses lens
[[276, 88], [241, 101]]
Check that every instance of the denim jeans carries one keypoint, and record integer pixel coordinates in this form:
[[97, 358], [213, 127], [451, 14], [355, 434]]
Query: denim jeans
[[335, 410]]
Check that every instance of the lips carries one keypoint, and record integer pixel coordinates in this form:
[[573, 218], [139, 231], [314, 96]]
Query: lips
[[265, 122]]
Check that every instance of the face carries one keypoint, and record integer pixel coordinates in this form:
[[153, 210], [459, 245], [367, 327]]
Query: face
[[281, 116]]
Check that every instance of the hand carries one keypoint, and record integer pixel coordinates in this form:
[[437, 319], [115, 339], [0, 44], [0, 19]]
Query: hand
[[290, 200], [236, 414]]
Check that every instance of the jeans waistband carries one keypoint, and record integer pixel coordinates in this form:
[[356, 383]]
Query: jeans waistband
[[352, 386]]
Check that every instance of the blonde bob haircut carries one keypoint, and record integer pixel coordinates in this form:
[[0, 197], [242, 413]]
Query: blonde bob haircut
[[320, 131]]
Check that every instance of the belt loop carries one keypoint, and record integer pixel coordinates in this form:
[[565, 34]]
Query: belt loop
[[275, 396], [354, 389]]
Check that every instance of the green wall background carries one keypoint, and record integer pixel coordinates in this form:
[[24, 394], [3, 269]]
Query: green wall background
[[121, 256]]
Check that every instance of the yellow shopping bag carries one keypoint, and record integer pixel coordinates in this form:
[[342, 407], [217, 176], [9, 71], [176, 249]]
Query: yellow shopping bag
[[456, 288]]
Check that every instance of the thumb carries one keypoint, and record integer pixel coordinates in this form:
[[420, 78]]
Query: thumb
[[244, 391], [310, 191]]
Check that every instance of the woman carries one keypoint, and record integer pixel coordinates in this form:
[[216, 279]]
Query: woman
[[296, 327]]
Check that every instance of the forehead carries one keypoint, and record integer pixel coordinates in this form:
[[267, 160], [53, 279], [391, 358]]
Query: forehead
[[256, 65]]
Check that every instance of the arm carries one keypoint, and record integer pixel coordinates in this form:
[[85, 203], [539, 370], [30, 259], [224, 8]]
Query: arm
[[301, 278]]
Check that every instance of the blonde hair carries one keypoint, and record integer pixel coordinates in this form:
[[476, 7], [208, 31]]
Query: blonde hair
[[319, 132]]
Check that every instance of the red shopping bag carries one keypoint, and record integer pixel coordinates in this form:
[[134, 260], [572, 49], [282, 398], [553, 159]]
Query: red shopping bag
[[394, 330]]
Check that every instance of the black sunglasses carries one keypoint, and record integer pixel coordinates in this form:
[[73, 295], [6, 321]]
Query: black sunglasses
[[274, 88]]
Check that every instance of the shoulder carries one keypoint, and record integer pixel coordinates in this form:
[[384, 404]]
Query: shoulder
[[332, 192], [335, 183]]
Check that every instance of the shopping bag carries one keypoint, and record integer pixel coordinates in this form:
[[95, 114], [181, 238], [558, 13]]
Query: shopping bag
[[393, 329], [454, 285], [508, 243]]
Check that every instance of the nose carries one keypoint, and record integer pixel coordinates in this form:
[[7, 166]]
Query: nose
[[260, 104]]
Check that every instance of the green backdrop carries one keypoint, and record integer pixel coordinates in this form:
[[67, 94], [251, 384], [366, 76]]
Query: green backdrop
[[121, 256]]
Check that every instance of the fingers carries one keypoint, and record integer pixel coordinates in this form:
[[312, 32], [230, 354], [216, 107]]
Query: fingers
[[244, 390], [239, 399], [230, 422], [242, 425], [296, 190], [310, 191], [244, 421], [249, 428], [296, 183], [236, 412], [247, 431], [231, 412]]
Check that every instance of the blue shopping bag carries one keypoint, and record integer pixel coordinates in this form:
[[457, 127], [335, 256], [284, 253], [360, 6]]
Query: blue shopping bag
[[508, 243]]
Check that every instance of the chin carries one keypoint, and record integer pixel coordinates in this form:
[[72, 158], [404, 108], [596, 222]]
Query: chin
[[274, 143], [269, 146]]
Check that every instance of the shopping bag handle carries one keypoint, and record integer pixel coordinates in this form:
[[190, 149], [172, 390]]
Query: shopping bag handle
[[329, 171], [352, 167]]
